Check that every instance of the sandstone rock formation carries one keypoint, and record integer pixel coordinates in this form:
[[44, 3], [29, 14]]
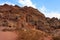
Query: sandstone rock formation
[[14, 18]]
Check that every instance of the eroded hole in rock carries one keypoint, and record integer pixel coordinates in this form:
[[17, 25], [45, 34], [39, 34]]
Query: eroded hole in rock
[[9, 26]]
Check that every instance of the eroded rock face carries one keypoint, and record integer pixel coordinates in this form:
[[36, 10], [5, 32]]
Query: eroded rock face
[[54, 23], [14, 18]]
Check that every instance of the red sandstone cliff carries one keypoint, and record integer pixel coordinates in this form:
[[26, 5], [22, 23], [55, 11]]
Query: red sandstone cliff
[[27, 18]]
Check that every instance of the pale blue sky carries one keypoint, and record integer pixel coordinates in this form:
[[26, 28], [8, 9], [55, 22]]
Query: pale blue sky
[[50, 8]]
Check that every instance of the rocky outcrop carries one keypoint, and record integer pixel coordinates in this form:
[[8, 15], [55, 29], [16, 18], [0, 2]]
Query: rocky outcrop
[[14, 18], [54, 23]]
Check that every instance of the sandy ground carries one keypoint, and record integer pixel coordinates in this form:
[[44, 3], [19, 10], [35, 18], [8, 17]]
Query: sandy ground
[[8, 35]]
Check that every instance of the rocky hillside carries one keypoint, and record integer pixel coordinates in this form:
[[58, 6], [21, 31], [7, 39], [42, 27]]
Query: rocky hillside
[[29, 21]]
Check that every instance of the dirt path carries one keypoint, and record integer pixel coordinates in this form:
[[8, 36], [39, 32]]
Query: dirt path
[[8, 35]]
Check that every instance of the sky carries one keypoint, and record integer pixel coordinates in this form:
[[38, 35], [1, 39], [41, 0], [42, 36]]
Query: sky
[[50, 8]]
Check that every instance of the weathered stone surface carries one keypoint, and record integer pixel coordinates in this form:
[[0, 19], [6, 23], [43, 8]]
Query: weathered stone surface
[[27, 18]]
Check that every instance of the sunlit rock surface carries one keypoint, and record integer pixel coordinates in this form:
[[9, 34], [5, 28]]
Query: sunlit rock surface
[[26, 23]]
